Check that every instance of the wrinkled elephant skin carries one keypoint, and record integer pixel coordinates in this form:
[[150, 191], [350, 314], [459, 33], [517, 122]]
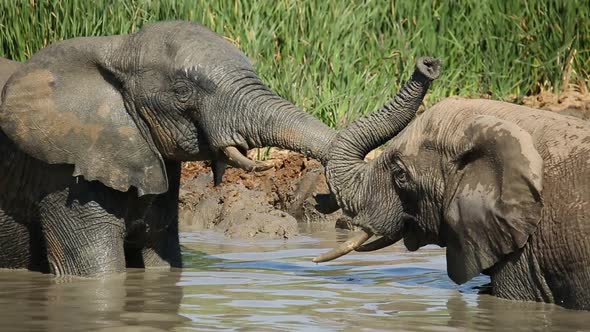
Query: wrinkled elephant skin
[[93, 131], [504, 188]]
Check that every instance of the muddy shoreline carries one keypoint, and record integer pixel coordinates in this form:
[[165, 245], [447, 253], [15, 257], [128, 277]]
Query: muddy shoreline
[[267, 204], [271, 204]]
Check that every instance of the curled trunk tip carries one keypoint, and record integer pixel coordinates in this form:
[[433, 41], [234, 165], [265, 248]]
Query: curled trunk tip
[[346, 163], [429, 66]]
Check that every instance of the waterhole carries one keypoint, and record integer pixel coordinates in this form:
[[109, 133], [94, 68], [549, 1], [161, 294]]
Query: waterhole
[[234, 285]]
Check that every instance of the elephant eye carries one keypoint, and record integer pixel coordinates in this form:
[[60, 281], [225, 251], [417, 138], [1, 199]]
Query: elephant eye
[[400, 175], [183, 92]]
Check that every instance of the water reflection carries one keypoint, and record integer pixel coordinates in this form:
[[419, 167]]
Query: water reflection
[[273, 286], [36, 302]]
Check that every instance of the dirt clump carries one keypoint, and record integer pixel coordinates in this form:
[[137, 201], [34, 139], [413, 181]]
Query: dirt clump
[[233, 209]]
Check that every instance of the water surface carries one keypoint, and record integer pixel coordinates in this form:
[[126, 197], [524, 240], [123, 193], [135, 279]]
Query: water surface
[[232, 285]]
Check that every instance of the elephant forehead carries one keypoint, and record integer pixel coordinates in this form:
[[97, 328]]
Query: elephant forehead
[[439, 129], [209, 52], [410, 140], [182, 45], [196, 45], [434, 128], [7, 68], [490, 125]]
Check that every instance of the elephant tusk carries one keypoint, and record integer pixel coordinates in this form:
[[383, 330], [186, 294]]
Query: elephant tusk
[[236, 159], [380, 243], [351, 244]]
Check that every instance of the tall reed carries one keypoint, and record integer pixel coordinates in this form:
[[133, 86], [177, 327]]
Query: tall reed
[[339, 59]]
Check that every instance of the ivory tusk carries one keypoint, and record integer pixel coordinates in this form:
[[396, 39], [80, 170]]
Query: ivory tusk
[[352, 243], [380, 243], [237, 159]]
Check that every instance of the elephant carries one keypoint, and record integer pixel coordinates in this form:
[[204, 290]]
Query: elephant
[[93, 131], [504, 188]]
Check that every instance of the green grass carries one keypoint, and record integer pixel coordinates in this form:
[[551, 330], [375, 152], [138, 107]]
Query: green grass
[[339, 59]]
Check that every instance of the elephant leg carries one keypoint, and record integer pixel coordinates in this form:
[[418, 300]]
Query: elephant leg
[[83, 237], [155, 249], [164, 247], [21, 244], [165, 251], [156, 244], [160, 250], [519, 277]]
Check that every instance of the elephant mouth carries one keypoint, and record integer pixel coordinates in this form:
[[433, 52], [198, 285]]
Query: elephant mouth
[[416, 237]]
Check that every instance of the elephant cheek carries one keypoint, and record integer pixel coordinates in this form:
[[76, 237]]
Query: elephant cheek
[[194, 146]]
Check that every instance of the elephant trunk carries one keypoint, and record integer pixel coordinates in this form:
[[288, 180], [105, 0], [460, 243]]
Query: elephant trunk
[[283, 125], [347, 166], [270, 120]]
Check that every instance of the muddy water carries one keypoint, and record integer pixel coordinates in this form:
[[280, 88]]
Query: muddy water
[[273, 286]]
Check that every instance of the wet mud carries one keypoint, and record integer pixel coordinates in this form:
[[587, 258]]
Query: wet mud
[[267, 204]]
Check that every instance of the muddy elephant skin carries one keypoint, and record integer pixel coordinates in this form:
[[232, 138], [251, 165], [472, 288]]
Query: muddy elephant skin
[[504, 188]]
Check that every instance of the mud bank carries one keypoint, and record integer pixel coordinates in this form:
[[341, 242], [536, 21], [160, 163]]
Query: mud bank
[[574, 102], [272, 203], [267, 204]]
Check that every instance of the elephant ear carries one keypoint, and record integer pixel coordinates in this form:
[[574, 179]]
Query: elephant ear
[[63, 108], [495, 203]]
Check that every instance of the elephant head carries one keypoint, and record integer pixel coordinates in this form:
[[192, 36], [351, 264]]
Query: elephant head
[[116, 107], [454, 177], [350, 177]]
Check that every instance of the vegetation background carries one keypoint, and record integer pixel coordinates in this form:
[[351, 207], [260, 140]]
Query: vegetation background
[[339, 59]]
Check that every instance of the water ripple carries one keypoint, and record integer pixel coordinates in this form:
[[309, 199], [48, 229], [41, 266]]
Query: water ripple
[[230, 285]]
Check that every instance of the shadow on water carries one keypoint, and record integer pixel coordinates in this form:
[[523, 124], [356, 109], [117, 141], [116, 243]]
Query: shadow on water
[[273, 286]]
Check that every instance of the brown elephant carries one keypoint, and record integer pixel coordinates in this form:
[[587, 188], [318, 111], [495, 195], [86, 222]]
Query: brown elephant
[[504, 188]]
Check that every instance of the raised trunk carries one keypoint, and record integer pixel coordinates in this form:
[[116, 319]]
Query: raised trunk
[[270, 120], [369, 132]]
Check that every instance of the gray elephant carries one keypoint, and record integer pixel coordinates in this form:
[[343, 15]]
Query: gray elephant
[[93, 132], [505, 188]]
